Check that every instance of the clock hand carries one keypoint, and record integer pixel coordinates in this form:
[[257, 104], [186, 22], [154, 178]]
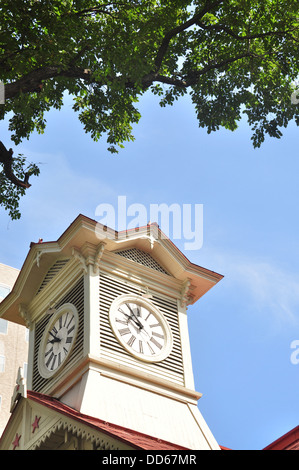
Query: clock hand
[[135, 318], [131, 317], [55, 339], [137, 323]]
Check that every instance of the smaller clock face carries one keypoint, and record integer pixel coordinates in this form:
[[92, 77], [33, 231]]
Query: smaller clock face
[[141, 328], [58, 340]]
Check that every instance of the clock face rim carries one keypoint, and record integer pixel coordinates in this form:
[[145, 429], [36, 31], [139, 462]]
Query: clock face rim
[[43, 370], [168, 343]]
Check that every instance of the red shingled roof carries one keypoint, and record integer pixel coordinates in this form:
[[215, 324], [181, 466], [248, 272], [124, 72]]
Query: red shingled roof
[[289, 441], [135, 439]]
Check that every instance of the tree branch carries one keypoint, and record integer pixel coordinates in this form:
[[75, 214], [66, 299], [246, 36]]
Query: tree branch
[[7, 161], [193, 76], [95, 10], [32, 81], [223, 28], [179, 29]]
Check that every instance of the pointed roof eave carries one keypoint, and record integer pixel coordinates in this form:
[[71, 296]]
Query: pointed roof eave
[[134, 439], [86, 230], [28, 280], [40, 257], [137, 439]]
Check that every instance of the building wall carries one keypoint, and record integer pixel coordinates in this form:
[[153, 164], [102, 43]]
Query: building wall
[[13, 348]]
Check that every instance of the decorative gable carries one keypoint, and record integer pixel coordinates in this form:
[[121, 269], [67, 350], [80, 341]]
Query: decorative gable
[[141, 257], [40, 422], [55, 268]]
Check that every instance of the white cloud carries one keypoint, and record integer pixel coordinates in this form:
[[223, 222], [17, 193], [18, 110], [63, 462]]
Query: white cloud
[[266, 288], [271, 289]]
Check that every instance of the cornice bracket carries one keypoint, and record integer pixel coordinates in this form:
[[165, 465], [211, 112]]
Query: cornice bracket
[[79, 257], [98, 257], [38, 257], [24, 314], [186, 297]]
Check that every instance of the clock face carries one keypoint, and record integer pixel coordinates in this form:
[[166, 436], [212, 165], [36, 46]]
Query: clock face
[[141, 328], [58, 340]]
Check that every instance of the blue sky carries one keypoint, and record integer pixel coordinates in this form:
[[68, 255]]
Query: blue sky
[[242, 330]]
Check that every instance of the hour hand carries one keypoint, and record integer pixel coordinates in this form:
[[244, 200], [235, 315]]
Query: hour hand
[[131, 317], [55, 339], [136, 321]]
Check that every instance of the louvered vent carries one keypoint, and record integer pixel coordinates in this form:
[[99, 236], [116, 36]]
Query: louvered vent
[[141, 257], [171, 368], [76, 297], [57, 266]]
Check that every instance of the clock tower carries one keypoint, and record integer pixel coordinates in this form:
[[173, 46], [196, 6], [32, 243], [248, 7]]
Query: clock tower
[[109, 343]]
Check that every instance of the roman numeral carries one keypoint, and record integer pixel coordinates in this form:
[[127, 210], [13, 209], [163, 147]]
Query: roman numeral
[[123, 322], [48, 352], [50, 359], [156, 343], [138, 311], [154, 325], [140, 347], [65, 320], [54, 330], [121, 311], [131, 341], [53, 362], [158, 335], [71, 329], [124, 331], [52, 356], [70, 321]]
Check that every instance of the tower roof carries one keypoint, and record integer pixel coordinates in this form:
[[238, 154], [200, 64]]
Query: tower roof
[[83, 232]]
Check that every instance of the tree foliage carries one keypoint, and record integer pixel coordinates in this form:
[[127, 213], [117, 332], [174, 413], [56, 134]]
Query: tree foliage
[[233, 57]]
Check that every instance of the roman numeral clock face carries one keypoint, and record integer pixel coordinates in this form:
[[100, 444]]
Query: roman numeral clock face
[[140, 328], [58, 340]]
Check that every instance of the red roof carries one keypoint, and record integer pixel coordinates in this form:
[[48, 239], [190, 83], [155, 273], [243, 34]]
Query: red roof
[[135, 439], [289, 441]]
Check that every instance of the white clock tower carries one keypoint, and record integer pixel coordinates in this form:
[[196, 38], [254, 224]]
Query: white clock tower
[[109, 343]]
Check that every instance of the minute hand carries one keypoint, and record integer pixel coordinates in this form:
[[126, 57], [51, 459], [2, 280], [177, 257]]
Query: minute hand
[[134, 317]]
